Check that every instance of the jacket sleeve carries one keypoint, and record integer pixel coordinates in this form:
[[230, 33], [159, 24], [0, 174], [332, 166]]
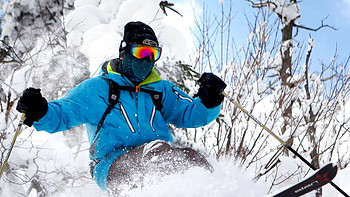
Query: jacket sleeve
[[183, 111], [80, 105]]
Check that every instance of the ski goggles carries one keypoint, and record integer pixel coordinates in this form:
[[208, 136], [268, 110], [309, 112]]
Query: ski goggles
[[142, 51]]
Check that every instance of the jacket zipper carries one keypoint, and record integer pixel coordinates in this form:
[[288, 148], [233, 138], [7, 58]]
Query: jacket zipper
[[137, 109], [152, 118], [126, 117]]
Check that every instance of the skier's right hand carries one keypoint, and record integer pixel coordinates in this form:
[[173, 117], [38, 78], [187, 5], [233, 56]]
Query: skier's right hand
[[33, 104], [210, 90]]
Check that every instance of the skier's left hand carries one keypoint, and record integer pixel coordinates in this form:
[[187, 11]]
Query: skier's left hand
[[210, 90]]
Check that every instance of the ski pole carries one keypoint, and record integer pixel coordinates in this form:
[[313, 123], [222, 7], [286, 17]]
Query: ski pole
[[279, 139], [12, 144]]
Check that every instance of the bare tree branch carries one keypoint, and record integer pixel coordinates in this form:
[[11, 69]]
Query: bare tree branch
[[315, 29], [261, 4]]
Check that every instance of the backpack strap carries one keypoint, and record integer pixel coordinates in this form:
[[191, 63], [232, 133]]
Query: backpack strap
[[113, 98], [156, 98]]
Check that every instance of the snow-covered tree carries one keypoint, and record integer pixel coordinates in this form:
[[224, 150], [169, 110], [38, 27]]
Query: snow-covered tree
[[54, 45], [274, 79]]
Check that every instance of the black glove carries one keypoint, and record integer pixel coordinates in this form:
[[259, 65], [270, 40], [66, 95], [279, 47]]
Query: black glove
[[33, 104], [210, 90]]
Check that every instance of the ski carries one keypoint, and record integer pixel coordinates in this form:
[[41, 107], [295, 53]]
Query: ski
[[321, 177]]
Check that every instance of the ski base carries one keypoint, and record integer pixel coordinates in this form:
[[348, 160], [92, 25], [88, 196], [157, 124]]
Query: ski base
[[321, 177]]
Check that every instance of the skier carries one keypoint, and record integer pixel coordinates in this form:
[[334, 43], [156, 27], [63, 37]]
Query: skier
[[126, 111]]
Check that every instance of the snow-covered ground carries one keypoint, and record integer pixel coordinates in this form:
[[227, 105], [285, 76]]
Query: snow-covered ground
[[228, 178], [94, 29]]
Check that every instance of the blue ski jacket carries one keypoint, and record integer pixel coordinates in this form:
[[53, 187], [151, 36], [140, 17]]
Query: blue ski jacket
[[132, 122]]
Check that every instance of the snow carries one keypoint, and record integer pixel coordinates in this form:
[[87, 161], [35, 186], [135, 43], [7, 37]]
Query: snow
[[94, 29], [84, 18], [286, 11], [100, 43], [228, 177], [227, 180], [222, 1], [310, 45]]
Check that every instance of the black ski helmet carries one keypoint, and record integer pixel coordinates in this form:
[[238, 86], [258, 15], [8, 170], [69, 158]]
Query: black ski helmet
[[136, 70], [139, 33]]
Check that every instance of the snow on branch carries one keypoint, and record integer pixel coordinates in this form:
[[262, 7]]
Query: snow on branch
[[288, 12]]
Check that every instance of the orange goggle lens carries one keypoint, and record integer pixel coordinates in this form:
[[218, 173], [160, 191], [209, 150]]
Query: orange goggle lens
[[142, 51]]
